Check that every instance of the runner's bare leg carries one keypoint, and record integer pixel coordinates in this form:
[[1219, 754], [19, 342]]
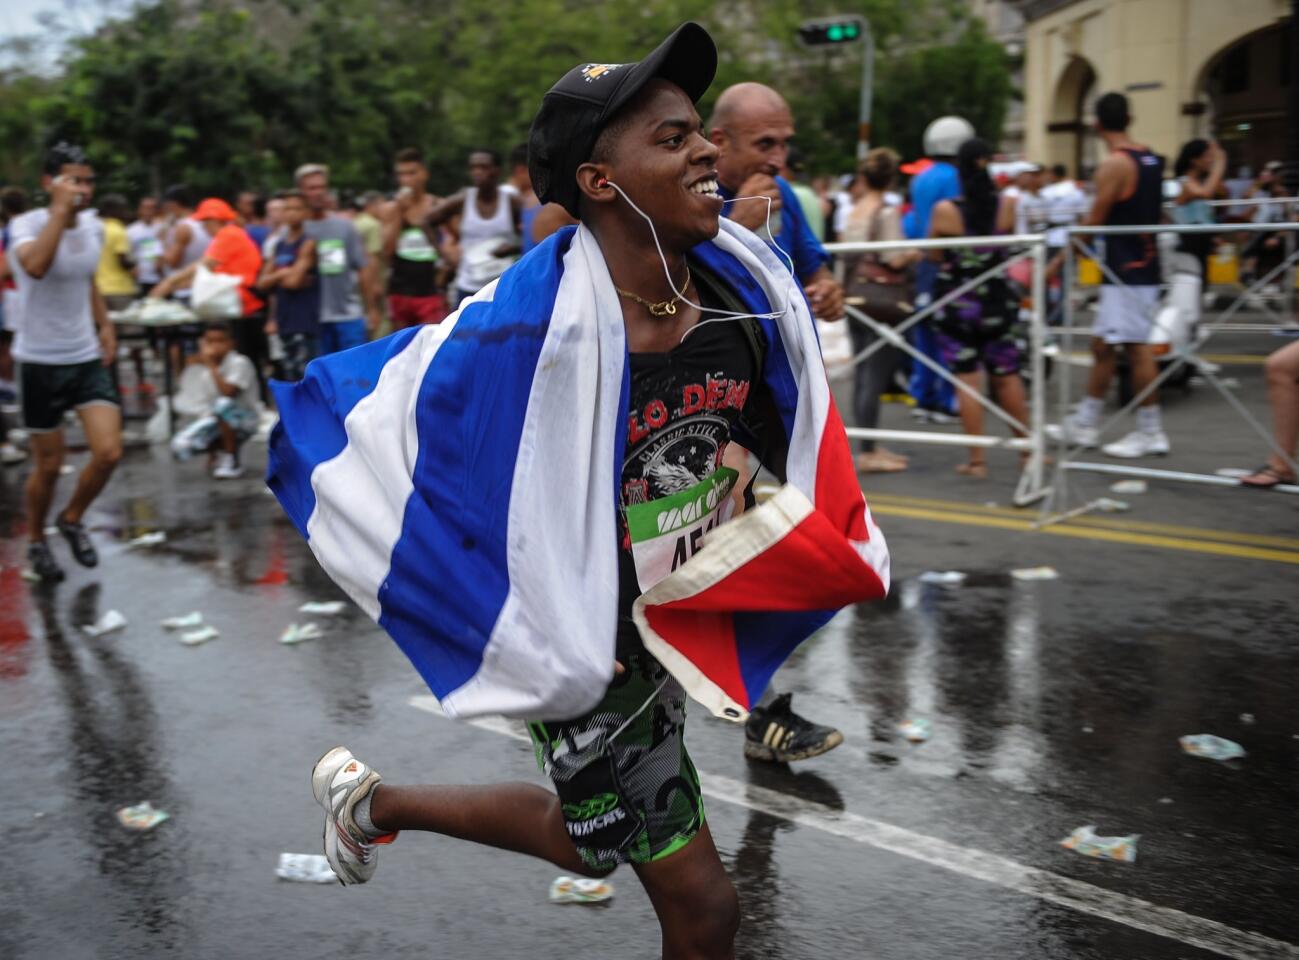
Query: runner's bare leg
[[520, 817]]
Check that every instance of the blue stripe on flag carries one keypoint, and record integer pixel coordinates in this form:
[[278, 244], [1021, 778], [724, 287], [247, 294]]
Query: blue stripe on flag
[[449, 575], [312, 413], [763, 641]]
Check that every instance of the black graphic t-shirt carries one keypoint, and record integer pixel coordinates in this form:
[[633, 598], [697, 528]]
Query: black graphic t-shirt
[[683, 406]]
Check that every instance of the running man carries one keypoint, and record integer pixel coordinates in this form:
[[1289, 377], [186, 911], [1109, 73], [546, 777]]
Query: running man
[[622, 148], [410, 247], [65, 346], [490, 221], [752, 127], [1129, 192]]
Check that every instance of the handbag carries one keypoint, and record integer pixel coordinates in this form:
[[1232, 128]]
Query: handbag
[[215, 296], [881, 292]]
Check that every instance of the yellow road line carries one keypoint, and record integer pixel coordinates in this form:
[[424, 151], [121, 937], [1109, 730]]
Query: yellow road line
[[1112, 523], [1242, 359], [1239, 551], [1226, 359]]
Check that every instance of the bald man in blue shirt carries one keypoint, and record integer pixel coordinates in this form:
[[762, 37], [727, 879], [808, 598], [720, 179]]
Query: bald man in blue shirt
[[752, 126]]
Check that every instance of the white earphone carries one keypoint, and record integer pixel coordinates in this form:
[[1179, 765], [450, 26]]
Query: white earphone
[[720, 314]]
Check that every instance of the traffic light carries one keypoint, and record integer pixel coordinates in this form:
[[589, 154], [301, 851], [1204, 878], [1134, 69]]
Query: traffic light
[[832, 30]]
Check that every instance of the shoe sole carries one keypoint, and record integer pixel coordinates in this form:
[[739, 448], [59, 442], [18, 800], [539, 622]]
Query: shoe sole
[[1136, 456], [756, 750], [322, 775]]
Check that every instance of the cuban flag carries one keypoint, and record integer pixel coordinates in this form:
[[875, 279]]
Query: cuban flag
[[461, 483]]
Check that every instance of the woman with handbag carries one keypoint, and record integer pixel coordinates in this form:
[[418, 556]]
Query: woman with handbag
[[879, 286]]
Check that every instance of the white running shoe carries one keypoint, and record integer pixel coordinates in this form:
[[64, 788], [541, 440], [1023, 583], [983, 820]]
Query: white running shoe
[[1074, 432], [339, 781], [9, 454], [1138, 443], [227, 468]]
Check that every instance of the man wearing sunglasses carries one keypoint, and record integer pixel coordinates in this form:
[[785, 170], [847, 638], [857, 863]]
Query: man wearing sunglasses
[[65, 345]]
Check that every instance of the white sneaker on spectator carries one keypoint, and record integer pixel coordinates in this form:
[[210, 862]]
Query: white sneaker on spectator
[[1074, 432], [9, 454], [227, 468], [1138, 443]]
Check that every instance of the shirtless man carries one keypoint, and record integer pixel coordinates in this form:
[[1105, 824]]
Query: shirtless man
[[411, 247]]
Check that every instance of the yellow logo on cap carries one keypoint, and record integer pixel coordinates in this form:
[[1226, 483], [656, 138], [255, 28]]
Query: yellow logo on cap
[[594, 71]]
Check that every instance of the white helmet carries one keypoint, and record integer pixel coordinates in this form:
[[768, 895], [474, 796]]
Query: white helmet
[[943, 137]]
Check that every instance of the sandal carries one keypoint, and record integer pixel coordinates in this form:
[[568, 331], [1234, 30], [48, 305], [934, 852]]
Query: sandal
[[978, 470], [878, 462], [1266, 477]]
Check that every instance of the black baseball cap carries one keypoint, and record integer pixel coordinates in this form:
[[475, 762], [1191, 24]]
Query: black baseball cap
[[581, 104]]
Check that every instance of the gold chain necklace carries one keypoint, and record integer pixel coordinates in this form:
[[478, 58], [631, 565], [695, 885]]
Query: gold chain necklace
[[660, 308]]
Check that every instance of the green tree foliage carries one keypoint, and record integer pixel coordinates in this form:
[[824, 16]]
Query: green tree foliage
[[969, 77], [225, 94]]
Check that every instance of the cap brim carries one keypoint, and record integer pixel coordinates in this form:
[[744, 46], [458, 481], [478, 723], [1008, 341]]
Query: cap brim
[[687, 58]]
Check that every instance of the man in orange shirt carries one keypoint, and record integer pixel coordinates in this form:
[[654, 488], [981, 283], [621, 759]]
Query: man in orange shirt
[[230, 252]]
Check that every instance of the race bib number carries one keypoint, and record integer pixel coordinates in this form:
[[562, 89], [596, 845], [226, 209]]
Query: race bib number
[[331, 257], [413, 245], [150, 249], [667, 532]]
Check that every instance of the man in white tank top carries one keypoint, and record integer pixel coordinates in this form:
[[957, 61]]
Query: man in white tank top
[[489, 225], [185, 240]]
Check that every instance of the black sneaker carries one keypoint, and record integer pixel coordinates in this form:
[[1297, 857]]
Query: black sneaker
[[78, 542], [777, 734], [43, 563]]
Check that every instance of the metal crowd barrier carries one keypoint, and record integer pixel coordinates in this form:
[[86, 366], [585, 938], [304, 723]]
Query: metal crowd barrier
[[1057, 507], [1030, 487]]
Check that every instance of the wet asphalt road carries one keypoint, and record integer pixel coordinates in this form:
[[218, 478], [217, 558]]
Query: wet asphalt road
[[1054, 704]]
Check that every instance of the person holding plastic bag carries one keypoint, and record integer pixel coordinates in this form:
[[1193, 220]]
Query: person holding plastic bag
[[230, 256]]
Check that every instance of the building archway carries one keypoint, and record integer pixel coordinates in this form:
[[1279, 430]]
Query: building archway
[[1244, 88], [1070, 136]]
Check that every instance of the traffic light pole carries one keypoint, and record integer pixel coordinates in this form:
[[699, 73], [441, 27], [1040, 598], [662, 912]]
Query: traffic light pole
[[867, 89]]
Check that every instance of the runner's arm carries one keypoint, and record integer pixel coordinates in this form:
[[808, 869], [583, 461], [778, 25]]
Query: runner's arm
[[36, 255], [1212, 185], [180, 238], [269, 276], [1007, 210], [445, 210], [1109, 186], [299, 274], [104, 327], [549, 218], [825, 294], [393, 221], [181, 278], [224, 386]]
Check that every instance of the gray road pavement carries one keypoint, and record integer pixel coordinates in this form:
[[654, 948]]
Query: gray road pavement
[[1054, 704]]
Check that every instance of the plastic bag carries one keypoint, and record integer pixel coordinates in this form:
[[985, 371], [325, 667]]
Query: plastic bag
[[1084, 840], [305, 868], [158, 428], [580, 890], [1209, 747], [215, 296]]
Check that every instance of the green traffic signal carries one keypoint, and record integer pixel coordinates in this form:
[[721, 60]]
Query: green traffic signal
[[815, 33]]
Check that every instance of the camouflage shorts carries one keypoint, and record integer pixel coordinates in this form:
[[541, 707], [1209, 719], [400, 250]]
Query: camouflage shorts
[[644, 768]]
